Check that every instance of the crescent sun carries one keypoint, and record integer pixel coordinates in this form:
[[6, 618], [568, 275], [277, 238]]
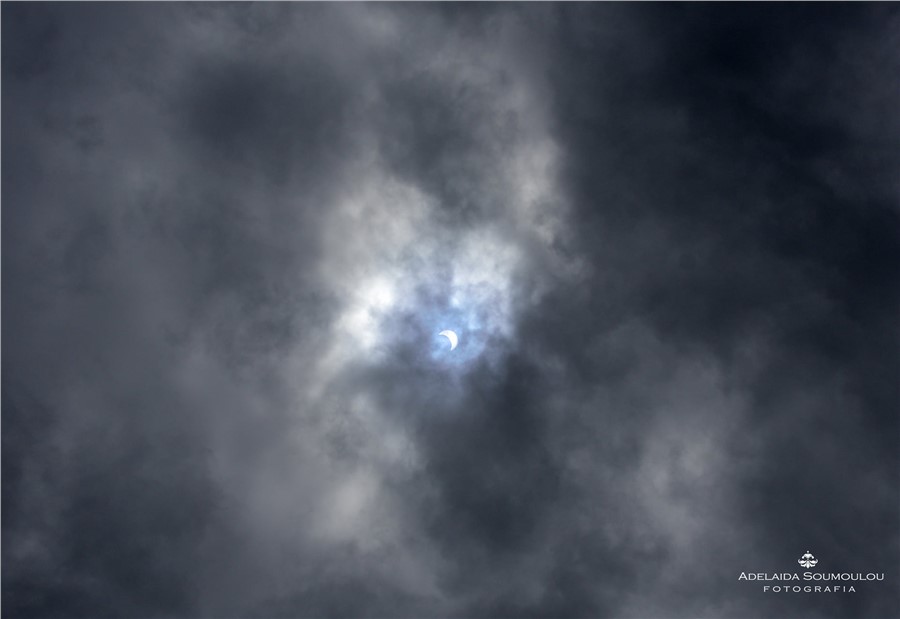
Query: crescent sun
[[450, 335]]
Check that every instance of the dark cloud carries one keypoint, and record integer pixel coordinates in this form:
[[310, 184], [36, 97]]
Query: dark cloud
[[667, 236]]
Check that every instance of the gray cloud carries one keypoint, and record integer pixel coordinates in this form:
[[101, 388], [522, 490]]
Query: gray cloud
[[666, 236]]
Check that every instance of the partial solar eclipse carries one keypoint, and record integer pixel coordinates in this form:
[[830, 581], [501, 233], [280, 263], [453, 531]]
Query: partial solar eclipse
[[450, 335]]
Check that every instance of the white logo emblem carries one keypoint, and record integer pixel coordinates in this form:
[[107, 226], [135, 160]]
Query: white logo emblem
[[807, 560]]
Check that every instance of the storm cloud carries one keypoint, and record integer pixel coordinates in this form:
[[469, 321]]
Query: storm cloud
[[668, 237]]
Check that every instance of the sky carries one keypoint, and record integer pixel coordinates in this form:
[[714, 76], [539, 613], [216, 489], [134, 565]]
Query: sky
[[667, 236]]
